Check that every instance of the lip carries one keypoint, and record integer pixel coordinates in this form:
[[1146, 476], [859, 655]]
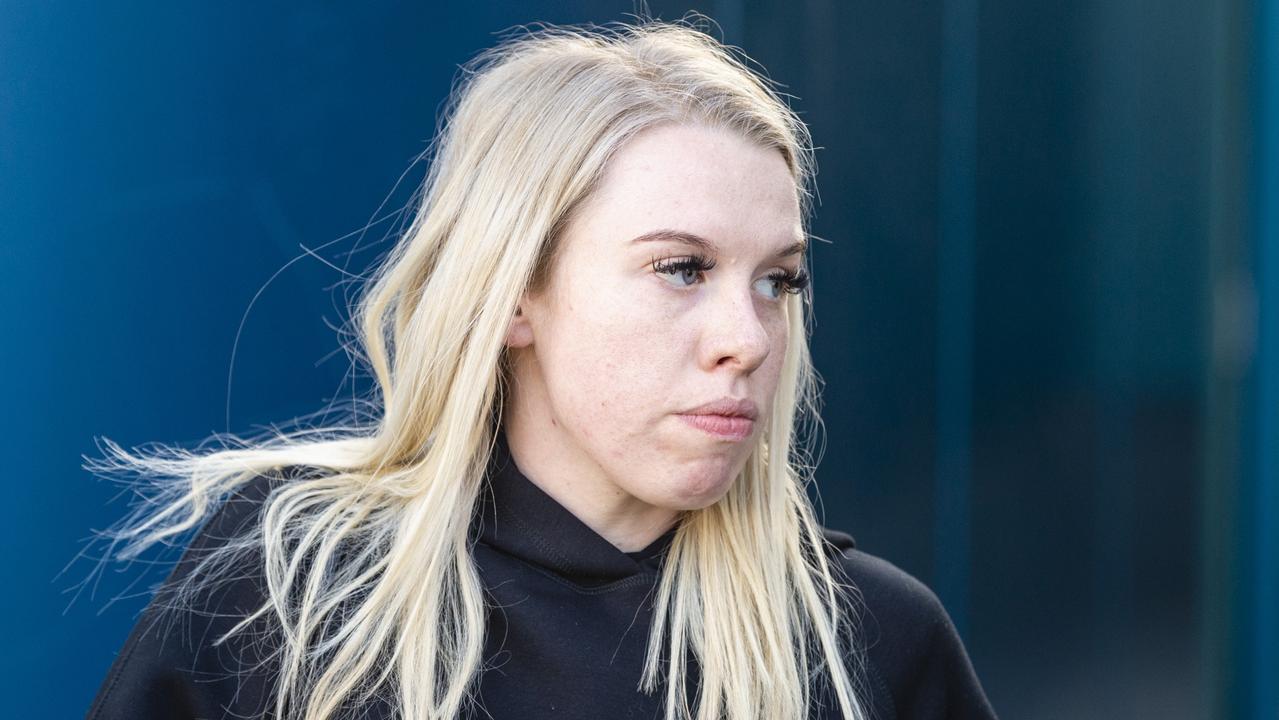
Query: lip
[[726, 418], [729, 407]]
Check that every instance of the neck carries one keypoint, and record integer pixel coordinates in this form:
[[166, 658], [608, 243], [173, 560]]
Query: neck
[[581, 486]]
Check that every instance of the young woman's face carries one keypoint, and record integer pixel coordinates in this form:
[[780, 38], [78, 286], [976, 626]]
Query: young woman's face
[[637, 331]]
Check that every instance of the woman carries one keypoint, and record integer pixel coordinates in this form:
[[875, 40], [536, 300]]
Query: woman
[[582, 494]]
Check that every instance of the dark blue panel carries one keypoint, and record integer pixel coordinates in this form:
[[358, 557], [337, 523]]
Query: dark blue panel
[[955, 259], [1264, 575]]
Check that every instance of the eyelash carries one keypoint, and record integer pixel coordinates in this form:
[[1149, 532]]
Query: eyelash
[[791, 281]]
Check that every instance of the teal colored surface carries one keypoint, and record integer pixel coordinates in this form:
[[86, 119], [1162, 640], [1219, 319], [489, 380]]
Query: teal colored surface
[[1262, 623]]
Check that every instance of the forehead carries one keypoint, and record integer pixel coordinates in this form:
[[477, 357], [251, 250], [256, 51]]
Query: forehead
[[698, 179]]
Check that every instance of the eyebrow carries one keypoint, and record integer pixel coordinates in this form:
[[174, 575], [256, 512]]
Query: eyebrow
[[796, 248]]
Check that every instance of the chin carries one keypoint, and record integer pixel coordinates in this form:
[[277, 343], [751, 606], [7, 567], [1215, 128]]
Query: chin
[[696, 492]]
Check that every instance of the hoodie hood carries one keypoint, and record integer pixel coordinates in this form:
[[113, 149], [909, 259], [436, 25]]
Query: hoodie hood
[[518, 518]]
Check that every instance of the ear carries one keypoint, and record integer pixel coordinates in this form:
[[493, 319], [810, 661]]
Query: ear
[[520, 332]]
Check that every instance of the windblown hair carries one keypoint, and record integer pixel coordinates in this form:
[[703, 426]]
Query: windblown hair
[[372, 588]]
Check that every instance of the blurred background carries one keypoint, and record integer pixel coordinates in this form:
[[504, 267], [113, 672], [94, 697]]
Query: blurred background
[[1047, 307]]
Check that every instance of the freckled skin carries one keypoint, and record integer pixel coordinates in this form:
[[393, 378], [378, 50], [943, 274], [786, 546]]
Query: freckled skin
[[609, 355]]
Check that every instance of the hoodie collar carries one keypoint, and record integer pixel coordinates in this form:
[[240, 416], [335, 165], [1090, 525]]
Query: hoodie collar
[[519, 519]]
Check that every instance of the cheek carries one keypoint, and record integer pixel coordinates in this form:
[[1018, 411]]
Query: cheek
[[779, 336], [615, 358]]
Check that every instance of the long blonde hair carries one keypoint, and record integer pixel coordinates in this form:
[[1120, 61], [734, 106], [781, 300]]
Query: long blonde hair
[[371, 585]]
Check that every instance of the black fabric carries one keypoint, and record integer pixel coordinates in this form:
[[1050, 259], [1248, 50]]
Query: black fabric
[[567, 628]]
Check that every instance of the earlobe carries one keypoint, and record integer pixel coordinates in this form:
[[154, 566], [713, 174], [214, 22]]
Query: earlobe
[[519, 333]]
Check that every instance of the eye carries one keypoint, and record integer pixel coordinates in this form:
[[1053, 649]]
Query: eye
[[785, 281], [684, 271]]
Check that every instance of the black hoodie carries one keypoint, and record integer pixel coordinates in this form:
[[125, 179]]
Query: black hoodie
[[567, 626]]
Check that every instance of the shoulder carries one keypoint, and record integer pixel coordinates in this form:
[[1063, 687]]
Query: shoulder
[[915, 654], [235, 514], [221, 572], [175, 656], [891, 595], [900, 616], [224, 545]]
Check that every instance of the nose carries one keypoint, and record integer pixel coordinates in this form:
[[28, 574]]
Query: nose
[[735, 334]]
